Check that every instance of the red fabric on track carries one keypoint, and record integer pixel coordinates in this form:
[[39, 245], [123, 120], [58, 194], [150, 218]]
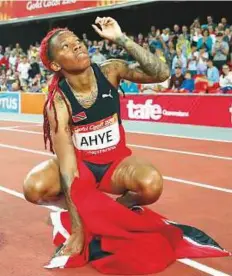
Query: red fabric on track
[[140, 243]]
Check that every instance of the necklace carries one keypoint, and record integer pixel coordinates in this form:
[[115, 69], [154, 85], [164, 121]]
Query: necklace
[[85, 101]]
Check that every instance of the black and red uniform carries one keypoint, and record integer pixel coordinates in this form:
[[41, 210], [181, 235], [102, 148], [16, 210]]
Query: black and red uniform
[[98, 134]]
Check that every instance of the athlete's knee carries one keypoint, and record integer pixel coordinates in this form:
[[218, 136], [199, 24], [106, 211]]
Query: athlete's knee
[[34, 190], [149, 183], [42, 184]]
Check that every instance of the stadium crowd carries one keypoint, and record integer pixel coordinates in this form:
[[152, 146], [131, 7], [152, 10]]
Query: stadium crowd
[[199, 57]]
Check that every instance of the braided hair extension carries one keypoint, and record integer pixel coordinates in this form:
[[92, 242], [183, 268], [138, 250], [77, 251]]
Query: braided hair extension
[[46, 58]]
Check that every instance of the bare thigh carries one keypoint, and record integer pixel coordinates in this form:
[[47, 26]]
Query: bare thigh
[[134, 174]]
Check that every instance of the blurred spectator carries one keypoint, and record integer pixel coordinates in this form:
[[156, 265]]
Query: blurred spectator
[[152, 32], [140, 39], [97, 57], [165, 35], [15, 87], [34, 68], [114, 51], [226, 79], [106, 48], [195, 36], [129, 87], [224, 23], [192, 61], [85, 39], [170, 53], [212, 35], [155, 42], [188, 47], [176, 33], [212, 73], [183, 45], [179, 61], [1, 52], [23, 69], [4, 62], [227, 35], [12, 60], [220, 51], [185, 32], [188, 83], [202, 61], [91, 48], [206, 41], [176, 79], [209, 23], [195, 24]]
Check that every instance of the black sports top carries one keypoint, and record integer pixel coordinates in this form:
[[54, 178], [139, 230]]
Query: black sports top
[[97, 131]]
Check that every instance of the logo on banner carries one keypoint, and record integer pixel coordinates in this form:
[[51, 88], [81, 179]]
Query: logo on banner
[[148, 111], [9, 102], [38, 4]]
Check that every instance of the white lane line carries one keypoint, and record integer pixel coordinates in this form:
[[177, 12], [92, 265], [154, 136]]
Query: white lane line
[[142, 133], [204, 268], [25, 131], [197, 184], [146, 147], [209, 270], [9, 128], [179, 136], [22, 121], [26, 150], [169, 178], [20, 195], [181, 152]]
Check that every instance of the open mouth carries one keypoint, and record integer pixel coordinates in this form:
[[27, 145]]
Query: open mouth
[[81, 54]]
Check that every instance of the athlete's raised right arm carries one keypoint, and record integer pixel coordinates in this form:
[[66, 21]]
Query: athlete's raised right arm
[[64, 149]]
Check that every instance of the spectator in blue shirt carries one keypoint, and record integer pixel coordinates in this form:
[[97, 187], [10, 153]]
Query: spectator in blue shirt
[[129, 87], [188, 83], [212, 73], [206, 41]]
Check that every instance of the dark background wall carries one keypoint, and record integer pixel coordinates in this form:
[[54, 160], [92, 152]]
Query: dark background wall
[[132, 20]]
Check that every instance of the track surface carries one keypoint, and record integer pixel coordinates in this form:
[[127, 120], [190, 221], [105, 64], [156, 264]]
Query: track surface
[[198, 192]]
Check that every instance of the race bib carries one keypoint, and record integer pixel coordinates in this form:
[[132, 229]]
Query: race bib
[[97, 136]]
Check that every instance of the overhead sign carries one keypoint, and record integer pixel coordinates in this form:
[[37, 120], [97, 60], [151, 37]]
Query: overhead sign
[[10, 10]]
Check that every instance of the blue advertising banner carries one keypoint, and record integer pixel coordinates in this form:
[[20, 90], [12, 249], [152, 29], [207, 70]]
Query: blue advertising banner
[[10, 102]]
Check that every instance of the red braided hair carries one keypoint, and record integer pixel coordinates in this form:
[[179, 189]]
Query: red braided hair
[[52, 89]]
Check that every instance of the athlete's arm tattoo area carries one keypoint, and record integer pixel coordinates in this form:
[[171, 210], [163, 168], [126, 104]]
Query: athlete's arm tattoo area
[[152, 69]]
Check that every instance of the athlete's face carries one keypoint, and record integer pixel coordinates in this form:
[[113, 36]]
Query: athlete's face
[[69, 53]]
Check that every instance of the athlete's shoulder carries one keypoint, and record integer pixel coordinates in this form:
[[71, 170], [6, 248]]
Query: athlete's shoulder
[[58, 107]]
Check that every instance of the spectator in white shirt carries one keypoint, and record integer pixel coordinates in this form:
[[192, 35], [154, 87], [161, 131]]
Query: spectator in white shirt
[[165, 35], [97, 57], [23, 69], [225, 81], [12, 60]]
